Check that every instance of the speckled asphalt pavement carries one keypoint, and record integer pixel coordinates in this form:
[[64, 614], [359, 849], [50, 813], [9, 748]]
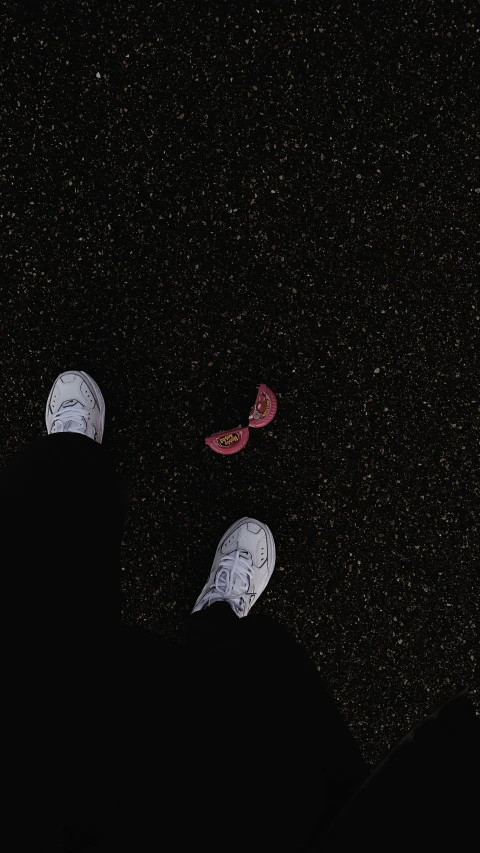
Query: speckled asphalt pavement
[[201, 198]]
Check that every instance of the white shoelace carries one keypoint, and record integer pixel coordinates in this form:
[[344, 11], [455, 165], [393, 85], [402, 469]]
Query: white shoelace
[[232, 580], [77, 416]]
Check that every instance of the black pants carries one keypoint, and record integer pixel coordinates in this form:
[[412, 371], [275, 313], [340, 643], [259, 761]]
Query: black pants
[[122, 740]]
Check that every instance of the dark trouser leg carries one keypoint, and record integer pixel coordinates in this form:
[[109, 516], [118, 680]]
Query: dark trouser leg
[[229, 739], [274, 743], [92, 709], [62, 511], [65, 506]]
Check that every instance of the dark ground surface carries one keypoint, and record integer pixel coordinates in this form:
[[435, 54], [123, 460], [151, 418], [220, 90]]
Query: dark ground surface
[[199, 200]]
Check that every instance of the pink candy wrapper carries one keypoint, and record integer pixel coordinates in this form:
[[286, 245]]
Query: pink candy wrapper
[[228, 442], [265, 407], [262, 412]]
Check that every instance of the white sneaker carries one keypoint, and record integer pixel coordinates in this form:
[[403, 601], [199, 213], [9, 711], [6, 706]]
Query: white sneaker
[[76, 404], [242, 567]]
